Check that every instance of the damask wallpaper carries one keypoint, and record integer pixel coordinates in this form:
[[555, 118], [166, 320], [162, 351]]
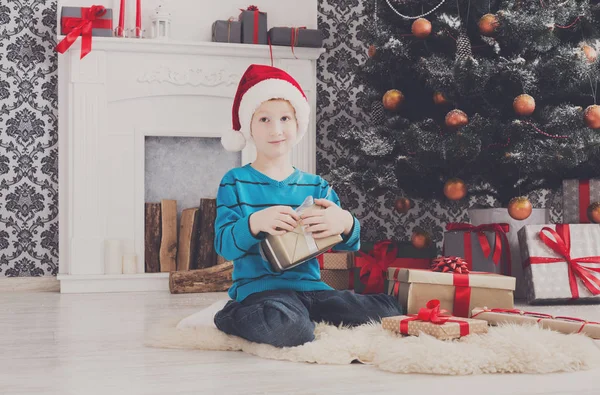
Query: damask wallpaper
[[29, 151], [28, 139]]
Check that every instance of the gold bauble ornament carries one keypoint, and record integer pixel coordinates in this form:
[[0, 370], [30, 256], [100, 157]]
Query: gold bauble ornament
[[520, 208], [593, 213], [393, 99], [439, 98], [456, 118], [591, 116], [488, 24], [524, 105], [403, 205], [421, 28], [455, 189]]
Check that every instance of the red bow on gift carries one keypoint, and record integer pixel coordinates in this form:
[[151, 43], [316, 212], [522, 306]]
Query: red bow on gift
[[90, 18], [434, 314], [378, 261], [500, 231], [562, 246]]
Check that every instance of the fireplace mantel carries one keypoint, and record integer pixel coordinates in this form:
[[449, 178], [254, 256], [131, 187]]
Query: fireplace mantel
[[124, 90]]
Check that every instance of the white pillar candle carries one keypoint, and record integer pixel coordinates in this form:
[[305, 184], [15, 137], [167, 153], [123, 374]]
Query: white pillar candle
[[112, 256], [129, 264]]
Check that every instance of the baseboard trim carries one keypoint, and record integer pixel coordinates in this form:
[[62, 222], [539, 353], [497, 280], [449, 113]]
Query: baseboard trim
[[29, 284]]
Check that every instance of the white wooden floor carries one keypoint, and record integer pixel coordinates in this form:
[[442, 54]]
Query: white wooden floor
[[92, 344]]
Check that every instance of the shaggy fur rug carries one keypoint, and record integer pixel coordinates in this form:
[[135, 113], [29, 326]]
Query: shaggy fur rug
[[505, 349]]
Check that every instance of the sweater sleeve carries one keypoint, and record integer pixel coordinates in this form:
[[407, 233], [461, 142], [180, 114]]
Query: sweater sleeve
[[233, 238], [350, 242]]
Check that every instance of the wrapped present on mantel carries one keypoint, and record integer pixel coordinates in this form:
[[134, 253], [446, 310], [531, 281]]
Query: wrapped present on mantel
[[431, 320], [370, 268], [578, 195], [254, 25], [229, 31], [560, 324], [296, 37], [561, 262], [457, 292], [297, 246], [484, 247], [336, 269], [85, 22]]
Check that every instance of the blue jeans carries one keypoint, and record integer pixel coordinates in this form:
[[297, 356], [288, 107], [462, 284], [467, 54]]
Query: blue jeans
[[285, 318]]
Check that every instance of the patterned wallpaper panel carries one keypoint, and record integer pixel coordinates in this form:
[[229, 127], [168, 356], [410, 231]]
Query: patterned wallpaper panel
[[28, 139], [29, 150]]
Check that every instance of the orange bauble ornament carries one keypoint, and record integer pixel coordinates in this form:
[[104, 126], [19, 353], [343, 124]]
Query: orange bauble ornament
[[590, 53], [524, 105], [393, 99], [403, 205], [591, 115], [455, 189], [372, 50], [420, 239], [488, 24], [519, 208], [439, 98], [593, 212], [421, 28], [456, 118]]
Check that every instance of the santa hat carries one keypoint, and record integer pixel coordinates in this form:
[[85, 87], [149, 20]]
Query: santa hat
[[259, 84]]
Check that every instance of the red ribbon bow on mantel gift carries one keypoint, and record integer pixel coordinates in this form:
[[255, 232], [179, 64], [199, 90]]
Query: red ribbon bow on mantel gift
[[377, 262], [501, 240], [434, 314], [90, 19], [255, 26], [562, 246]]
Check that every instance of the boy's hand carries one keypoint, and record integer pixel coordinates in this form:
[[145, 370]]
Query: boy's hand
[[328, 222], [276, 220]]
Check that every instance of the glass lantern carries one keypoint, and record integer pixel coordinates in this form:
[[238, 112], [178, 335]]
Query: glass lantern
[[161, 23]]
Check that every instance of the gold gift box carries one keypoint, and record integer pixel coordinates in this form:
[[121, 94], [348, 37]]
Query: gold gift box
[[338, 260], [446, 331], [559, 324], [417, 287], [291, 249]]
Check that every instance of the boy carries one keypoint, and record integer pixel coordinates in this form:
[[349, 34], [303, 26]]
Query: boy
[[271, 110]]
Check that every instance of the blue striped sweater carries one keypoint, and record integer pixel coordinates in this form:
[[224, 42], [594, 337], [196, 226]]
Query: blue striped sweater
[[244, 191]]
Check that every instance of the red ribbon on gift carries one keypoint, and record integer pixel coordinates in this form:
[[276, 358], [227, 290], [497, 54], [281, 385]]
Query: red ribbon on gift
[[433, 313], [539, 316], [562, 246], [462, 292], [255, 27], [501, 240], [75, 27], [374, 264], [584, 201]]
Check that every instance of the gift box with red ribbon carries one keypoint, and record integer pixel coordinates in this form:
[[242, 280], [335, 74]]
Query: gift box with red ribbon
[[254, 25], [370, 268], [577, 197], [561, 262], [296, 37], [557, 323], [85, 22], [484, 247], [336, 269], [433, 321], [457, 292], [228, 31]]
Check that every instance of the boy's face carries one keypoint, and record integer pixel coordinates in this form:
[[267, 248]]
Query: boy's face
[[274, 128]]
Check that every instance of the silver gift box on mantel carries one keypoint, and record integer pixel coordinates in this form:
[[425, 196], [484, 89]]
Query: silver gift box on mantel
[[547, 268]]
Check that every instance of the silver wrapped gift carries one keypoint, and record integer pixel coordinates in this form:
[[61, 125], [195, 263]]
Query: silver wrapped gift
[[577, 196], [561, 262]]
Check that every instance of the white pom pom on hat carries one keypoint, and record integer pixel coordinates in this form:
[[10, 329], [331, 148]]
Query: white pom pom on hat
[[261, 83]]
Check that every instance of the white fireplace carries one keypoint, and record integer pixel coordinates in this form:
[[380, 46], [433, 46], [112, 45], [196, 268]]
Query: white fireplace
[[123, 91]]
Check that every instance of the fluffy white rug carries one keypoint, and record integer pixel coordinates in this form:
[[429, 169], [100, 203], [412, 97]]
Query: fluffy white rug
[[506, 349]]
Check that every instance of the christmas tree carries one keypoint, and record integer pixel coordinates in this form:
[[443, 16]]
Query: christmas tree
[[498, 94]]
